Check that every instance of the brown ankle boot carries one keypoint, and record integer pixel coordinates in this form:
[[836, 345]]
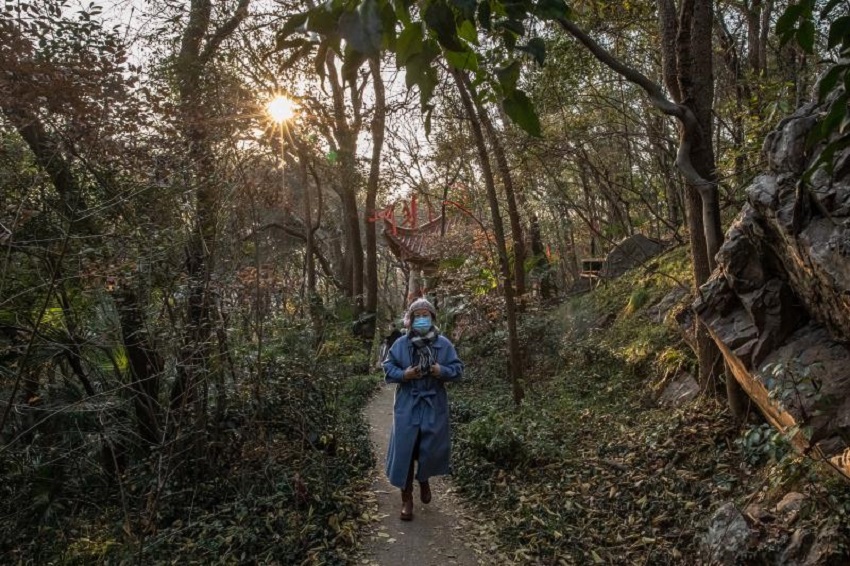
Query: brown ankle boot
[[425, 492], [406, 505]]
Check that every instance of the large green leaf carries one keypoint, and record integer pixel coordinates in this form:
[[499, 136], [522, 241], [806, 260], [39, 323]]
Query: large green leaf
[[837, 113], [282, 43], [420, 72], [829, 80], [520, 109], [827, 157], [536, 48], [352, 60], [428, 111], [324, 20], [468, 32], [362, 29], [441, 20], [402, 11], [839, 31], [319, 61], [508, 76], [829, 7], [409, 43], [465, 60], [552, 9], [517, 9], [291, 25], [370, 18], [512, 25], [389, 22], [466, 8], [786, 23], [806, 36], [484, 13]]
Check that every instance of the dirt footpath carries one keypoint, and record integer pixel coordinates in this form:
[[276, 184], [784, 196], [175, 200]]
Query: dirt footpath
[[442, 532]]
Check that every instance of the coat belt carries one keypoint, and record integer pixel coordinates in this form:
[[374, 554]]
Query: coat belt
[[423, 396]]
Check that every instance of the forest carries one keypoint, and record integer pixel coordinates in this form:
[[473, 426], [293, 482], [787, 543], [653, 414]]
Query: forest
[[212, 213]]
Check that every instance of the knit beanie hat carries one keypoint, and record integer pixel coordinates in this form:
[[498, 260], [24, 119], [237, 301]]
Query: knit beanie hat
[[416, 305]]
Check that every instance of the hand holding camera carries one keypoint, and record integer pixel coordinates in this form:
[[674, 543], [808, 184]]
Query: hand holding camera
[[412, 373]]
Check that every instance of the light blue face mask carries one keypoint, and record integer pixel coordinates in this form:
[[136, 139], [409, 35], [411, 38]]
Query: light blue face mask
[[421, 324]]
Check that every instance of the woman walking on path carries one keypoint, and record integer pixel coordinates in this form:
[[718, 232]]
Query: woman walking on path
[[420, 362]]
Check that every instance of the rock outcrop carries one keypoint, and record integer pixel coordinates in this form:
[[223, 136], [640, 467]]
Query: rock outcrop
[[778, 304], [628, 253]]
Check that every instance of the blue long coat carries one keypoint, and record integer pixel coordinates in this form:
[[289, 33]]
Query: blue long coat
[[421, 407]]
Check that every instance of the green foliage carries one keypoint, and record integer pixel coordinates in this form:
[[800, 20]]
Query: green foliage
[[637, 299], [615, 317], [278, 481], [798, 22], [762, 444], [792, 384], [589, 469], [494, 439], [447, 31]]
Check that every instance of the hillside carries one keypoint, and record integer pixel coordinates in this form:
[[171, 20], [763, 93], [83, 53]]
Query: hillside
[[594, 468]]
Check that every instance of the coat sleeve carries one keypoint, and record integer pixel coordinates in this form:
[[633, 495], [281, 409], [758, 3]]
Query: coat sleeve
[[393, 369], [451, 368]]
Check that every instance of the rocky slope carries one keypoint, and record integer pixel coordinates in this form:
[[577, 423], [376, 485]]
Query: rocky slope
[[778, 304]]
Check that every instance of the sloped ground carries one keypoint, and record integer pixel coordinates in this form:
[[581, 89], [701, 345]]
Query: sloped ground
[[592, 470]]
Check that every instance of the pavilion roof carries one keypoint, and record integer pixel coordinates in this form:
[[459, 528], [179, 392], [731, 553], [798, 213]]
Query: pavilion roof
[[418, 245]]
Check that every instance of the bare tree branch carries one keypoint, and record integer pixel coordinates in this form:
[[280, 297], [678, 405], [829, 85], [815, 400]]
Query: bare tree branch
[[691, 129], [299, 234], [225, 30]]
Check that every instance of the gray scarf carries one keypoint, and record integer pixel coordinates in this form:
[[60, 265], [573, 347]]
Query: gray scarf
[[422, 344]]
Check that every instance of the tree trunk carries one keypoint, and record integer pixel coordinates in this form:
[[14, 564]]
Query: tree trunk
[[197, 47], [510, 194], [145, 365], [314, 301], [696, 80], [683, 67], [592, 211], [514, 354], [347, 181], [753, 14], [541, 262], [766, 14], [370, 221]]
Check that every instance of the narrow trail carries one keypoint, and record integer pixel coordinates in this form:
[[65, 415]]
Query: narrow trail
[[442, 532]]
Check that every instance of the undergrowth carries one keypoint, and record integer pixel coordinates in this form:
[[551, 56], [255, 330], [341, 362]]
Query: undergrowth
[[590, 469], [278, 482]]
